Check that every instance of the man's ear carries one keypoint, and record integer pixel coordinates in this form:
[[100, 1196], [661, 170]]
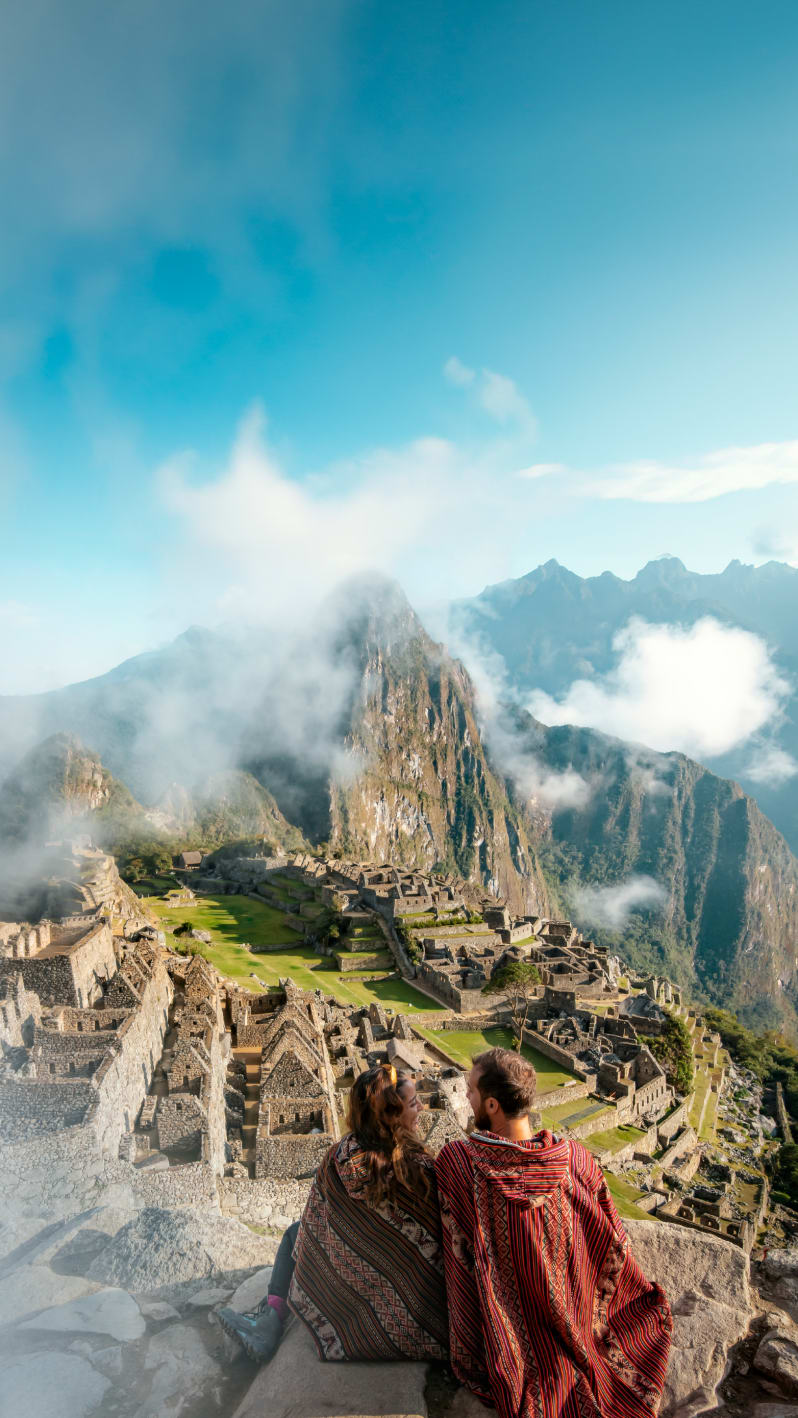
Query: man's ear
[[491, 1107]]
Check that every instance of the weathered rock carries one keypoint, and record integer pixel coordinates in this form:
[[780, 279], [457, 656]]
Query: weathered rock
[[297, 1384], [781, 1263], [183, 1370], [40, 1385], [777, 1357], [706, 1282], [775, 1410], [37, 1287], [164, 1248], [109, 1311], [251, 1291], [206, 1299], [158, 1311]]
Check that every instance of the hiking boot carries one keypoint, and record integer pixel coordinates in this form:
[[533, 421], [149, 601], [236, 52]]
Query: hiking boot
[[258, 1335]]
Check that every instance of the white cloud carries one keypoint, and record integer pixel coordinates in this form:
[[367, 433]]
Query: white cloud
[[511, 749], [458, 373], [277, 542], [496, 394], [500, 397], [702, 690], [712, 475], [541, 470], [611, 906], [771, 765]]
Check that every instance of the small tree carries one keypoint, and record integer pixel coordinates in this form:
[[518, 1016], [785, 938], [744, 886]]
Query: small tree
[[518, 979]]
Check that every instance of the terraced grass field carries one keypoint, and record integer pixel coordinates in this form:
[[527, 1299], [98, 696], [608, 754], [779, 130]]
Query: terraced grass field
[[229, 919], [232, 919], [464, 1044], [625, 1195], [614, 1138]]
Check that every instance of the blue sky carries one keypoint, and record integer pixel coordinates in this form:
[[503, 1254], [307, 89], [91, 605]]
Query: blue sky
[[271, 228]]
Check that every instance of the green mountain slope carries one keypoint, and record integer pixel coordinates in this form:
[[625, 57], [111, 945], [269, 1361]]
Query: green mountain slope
[[552, 627], [729, 922]]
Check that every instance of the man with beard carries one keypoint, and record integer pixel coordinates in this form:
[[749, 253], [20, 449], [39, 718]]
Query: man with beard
[[550, 1316]]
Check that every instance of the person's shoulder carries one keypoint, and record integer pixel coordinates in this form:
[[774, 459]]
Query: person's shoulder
[[454, 1156], [584, 1165]]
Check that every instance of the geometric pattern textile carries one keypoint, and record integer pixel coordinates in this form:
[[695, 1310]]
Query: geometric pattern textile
[[550, 1316], [369, 1280]]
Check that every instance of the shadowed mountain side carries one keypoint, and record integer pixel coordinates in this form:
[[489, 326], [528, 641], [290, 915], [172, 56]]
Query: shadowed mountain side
[[730, 917], [553, 627], [409, 779], [61, 788]]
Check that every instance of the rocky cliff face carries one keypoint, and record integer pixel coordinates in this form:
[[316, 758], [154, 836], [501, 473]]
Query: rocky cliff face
[[406, 776], [422, 790], [729, 922], [55, 786]]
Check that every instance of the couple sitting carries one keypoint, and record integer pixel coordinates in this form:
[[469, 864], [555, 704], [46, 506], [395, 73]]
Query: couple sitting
[[504, 1254]]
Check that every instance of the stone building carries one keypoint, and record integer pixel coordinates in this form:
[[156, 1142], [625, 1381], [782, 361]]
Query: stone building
[[298, 1116], [62, 964]]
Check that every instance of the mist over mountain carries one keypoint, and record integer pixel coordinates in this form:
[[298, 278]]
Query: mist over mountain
[[676, 863], [554, 630], [367, 735]]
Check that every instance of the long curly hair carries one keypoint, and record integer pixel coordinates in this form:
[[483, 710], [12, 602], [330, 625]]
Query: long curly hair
[[394, 1156]]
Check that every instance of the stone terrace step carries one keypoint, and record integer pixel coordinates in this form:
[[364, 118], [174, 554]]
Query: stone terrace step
[[297, 1384]]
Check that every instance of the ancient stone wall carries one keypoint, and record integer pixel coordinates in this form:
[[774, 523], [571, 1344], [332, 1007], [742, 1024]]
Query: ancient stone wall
[[554, 1052], [675, 1121], [123, 1079], [29, 1108], [288, 1156], [73, 976], [20, 1012], [265, 1201], [187, 1184]]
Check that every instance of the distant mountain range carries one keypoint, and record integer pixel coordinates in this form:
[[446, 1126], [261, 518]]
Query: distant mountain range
[[366, 735], [553, 627]]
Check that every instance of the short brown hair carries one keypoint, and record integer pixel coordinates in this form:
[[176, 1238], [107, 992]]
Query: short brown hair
[[507, 1077]]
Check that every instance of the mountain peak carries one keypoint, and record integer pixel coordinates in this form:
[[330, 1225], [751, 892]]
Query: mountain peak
[[663, 569]]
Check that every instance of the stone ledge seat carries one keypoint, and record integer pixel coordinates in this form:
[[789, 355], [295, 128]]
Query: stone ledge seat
[[297, 1384]]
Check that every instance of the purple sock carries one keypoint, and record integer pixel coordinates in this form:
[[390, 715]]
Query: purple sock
[[278, 1303]]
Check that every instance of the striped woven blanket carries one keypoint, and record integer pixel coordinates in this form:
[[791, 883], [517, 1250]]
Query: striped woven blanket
[[550, 1316], [369, 1282]]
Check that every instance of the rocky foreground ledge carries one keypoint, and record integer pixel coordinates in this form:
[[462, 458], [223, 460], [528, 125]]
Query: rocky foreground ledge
[[112, 1312]]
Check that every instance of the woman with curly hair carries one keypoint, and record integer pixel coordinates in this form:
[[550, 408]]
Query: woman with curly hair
[[363, 1269]]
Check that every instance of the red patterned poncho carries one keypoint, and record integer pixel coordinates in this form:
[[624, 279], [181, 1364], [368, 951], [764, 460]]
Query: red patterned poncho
[[550, 1316]]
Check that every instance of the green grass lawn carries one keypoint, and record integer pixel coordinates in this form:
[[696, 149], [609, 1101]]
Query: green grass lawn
[[585, 1106], [624, 1195], [613, 1138], [229, 919], [707, 1133], [464, 1044]]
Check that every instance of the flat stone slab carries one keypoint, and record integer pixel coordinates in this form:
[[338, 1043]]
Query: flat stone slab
[[158, 1311], [108, 1311], [706, 1282], [36, 1287], [183, 1374], [297, 1384], [206, 1299], [251, 1291], [44, 1385]]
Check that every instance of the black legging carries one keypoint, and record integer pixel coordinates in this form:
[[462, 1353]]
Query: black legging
[[283, 1269]]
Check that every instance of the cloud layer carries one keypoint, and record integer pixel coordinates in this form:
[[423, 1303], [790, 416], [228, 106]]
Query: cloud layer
[[702, 690], [711, 475], [611, 906]]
